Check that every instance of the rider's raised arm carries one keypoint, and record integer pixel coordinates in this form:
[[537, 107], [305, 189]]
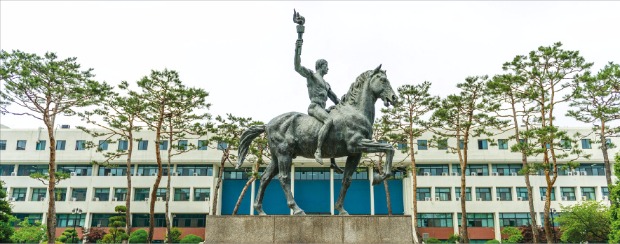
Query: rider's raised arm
[[332, 96], [303, 71]]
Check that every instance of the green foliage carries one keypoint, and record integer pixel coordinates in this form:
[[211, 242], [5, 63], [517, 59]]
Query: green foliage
[[69, 236], [514, 235], [585, 222], [116, 223], [432, 240], [6, 230], [174, 236], [614, 197], [191, 239], [94, 234], [44, 178], [139, 236], [29, 233], [594, 98], [493, 241], [453, 238]]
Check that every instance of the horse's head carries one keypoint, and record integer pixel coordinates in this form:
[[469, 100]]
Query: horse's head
[[380, 86]]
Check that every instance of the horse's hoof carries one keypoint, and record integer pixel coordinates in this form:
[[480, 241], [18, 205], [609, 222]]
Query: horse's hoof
[[343, 212], [262, 213], [299, 212]]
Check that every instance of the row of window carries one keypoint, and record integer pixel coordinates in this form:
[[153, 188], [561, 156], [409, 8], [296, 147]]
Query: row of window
[[307, 173], [103, 220], [477, 219], [117, 170], [596, 169], [505, 193], [102, 145], [19, 194], [502, 144]]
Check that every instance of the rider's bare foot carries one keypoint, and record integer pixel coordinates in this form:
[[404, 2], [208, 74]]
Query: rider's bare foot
[[318, 157]]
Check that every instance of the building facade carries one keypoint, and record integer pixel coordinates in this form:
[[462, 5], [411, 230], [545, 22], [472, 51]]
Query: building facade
[[496, 193]]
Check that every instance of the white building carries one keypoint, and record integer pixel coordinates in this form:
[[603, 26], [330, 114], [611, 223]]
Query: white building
[[498, 196]]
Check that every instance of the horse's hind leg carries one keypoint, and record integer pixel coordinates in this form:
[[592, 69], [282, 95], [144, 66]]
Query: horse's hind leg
[[352, 162], [284, 166], [268, 174]]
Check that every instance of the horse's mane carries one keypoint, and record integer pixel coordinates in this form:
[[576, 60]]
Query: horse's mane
[[352, 96]]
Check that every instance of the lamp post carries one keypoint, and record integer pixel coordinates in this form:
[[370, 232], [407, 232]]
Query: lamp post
[[77, 213], [553, 224]]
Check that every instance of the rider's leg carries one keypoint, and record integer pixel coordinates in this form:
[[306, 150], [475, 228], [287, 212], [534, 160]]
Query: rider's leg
[[318, 112]]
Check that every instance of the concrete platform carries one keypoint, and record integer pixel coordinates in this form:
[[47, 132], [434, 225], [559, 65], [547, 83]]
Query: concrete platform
[[309, 229]]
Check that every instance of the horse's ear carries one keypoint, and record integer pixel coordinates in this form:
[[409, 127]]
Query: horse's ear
[[377, 69]]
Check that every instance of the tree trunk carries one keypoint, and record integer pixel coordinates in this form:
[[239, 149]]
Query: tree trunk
[[151, 231], [548, 231], [463, 232], [414, 178], [530, 198], [51, 187], [167, 214], [245, 188], [385, 186], [128, 195], [608, 171], [220, 176]]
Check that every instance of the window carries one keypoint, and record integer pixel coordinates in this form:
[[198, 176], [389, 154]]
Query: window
[[32, 218], [101, 220], [443, 193], [432, 169], [202, 194], [472, 169], [103, 145], [38, 194], [568, 193], [457, 193], [483, 193], [543, 193], [504, 193], [422, 145], [60, 145], [189, 220], [222, 145], [80, 145], [150, 170], [60, 194], [79, 194], [522, 193], [6, 169], [506, 169], [78, 170], [120, 194], [434, 220], [2, 144], [19, 194], [28, 169], [605, 191], [483, 144], [163, 145], [143, 145], [190, 170], [141, 194], [586, 144], [123, 145], [183, 145], [311, 173], [40, 145], [423, 193], [102, 194], [118, 170], [21, 145], [142, 220], [70, 220], [161, 192], [588, 193], [555, 217], [461, 144], [589, 169], [402, 146], [181, 194], [565, 144], [203, 144], [478, 219], [514, 219], [502, 144], [442, 144]]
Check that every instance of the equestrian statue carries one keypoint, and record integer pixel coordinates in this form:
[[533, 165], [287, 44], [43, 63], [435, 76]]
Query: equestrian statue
[[342, 130]]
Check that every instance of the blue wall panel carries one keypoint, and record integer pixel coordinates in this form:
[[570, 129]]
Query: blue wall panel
[[313, 196], [274, 201], [396, 197], [230, 193], [357, 200]]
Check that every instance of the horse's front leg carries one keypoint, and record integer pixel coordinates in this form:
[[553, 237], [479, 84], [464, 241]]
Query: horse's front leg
[[350, 167], [284, 166], [369, 146]]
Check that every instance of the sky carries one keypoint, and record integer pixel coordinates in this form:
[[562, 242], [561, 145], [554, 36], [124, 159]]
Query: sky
[[242, 52]]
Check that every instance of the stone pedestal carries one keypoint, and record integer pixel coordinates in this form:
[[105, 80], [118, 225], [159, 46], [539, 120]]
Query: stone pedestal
[[308, 229]]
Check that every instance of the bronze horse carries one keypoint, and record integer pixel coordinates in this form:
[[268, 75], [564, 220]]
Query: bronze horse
[[295, 134]]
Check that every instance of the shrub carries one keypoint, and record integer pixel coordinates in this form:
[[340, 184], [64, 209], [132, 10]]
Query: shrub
[[493, 241], [174, 235], [191, 239], [432, 240], [94, 234], [139, 236]]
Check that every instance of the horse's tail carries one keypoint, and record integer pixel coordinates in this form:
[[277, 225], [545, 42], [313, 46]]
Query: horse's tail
[[246, 139]]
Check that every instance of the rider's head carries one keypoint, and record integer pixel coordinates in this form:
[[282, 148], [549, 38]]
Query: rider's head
[[321, 66]]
